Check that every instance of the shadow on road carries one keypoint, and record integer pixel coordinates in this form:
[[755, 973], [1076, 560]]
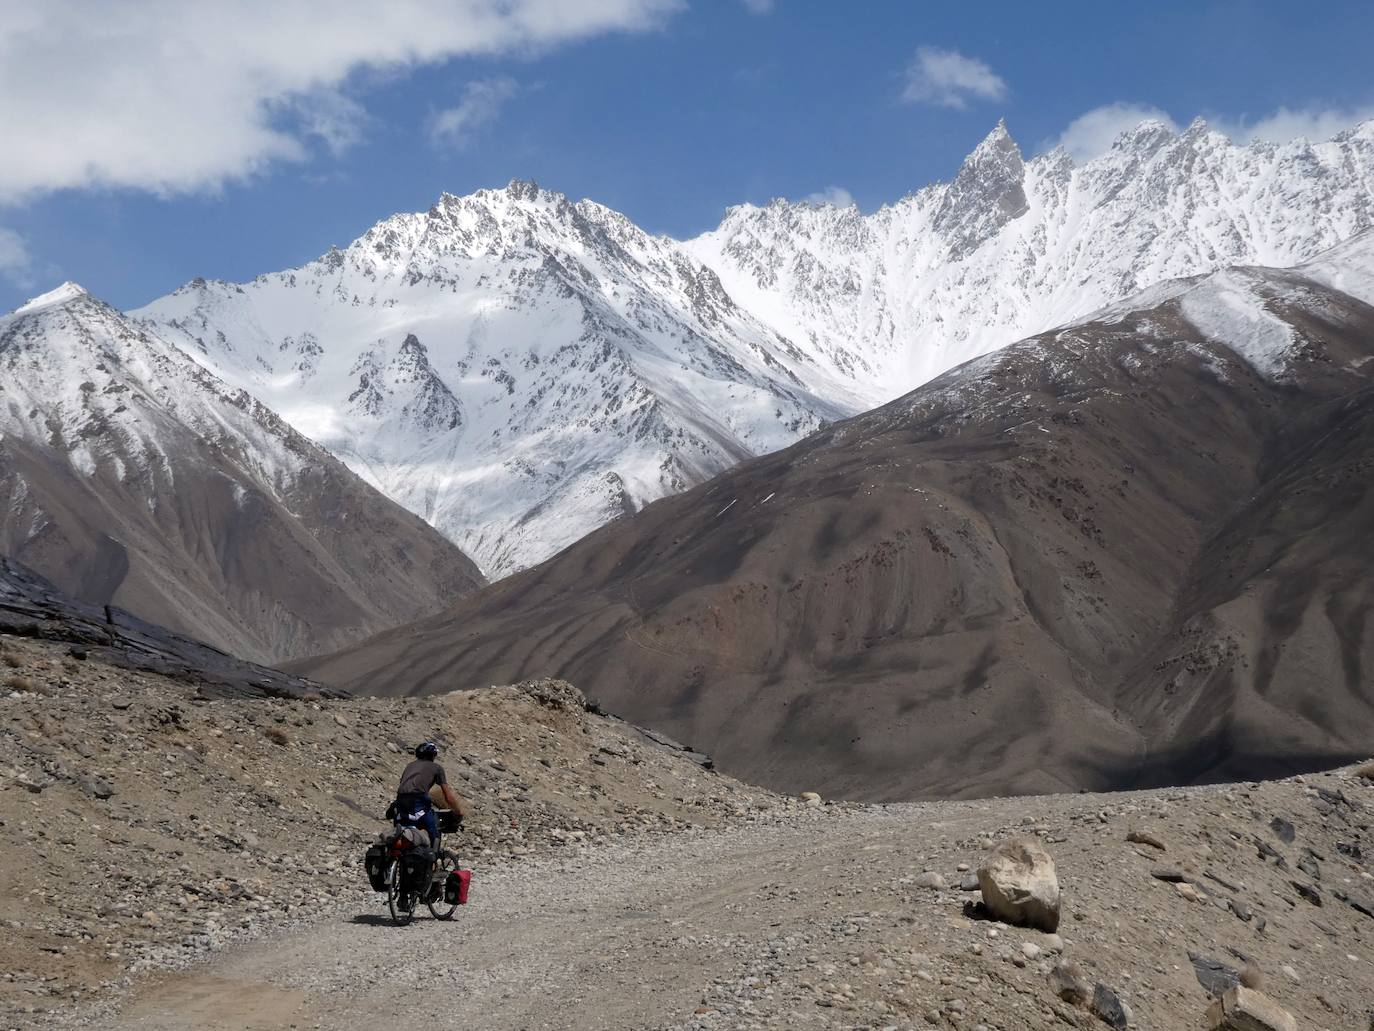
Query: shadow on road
[[370, 919]]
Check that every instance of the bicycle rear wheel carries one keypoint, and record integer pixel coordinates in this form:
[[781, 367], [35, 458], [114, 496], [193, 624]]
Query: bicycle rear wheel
[[400, 901]]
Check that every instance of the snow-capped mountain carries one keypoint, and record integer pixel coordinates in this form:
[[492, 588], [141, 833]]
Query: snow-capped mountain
[[513, 367], [1130, 550], [1012, 247], [129, 474], [518, 369]]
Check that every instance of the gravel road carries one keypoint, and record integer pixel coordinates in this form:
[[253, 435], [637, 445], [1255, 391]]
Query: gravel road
[[624, 936]]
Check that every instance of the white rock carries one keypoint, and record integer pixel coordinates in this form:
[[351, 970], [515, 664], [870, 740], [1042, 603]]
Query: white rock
[[1019, 884]]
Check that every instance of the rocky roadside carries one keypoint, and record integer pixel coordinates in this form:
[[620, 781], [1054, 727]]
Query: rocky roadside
[[143, 823], [1247, 907]]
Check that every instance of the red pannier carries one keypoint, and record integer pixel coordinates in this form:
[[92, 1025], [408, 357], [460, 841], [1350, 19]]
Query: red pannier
[[456, 887]]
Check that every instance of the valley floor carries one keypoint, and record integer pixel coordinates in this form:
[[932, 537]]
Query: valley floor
[[813, 918]]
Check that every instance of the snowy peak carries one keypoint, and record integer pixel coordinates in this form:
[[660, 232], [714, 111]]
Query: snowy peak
[[988, 192], [513, 367], [63, 294]]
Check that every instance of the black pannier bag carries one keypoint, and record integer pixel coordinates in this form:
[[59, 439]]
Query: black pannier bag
[[416, 864], [449, 821], [375, 862]]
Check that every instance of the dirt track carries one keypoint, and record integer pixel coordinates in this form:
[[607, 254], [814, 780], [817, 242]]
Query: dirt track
[[814, 921]]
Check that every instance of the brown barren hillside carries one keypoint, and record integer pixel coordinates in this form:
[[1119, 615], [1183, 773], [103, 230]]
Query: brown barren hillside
[[1129, 552]]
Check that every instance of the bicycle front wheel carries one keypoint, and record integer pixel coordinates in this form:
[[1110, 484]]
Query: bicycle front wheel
[[440, 909]]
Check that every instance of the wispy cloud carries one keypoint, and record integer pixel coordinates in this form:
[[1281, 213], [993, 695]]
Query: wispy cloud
[[170, 96], [759, 6], [835, 196], [16, 264], [1092, 133], [947, 78], [1285, 124], [481, 102]]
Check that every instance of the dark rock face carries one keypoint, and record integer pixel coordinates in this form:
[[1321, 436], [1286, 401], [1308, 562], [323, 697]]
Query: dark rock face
[[30, 606], [1114, 555]]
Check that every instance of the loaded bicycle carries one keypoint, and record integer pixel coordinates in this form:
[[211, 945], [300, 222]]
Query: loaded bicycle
[[413, 870]]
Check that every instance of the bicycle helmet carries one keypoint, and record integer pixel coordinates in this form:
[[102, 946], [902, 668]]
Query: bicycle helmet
[[428, 750]]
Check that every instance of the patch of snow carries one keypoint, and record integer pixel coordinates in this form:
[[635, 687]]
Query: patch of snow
[[53, 298]]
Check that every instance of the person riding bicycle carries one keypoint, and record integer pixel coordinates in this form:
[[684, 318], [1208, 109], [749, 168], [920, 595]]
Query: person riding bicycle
[[413, 805]]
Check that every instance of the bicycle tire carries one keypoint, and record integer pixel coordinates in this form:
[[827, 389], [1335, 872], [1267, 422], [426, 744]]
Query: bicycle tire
[[397, 897], [443, 910]]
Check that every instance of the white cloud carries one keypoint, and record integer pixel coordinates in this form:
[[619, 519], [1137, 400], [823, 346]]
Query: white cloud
[[171, 96], [947, 78], [759, 6], [1091, 134], [1284, 124], [835, 196], [15, 263], [479, 105]]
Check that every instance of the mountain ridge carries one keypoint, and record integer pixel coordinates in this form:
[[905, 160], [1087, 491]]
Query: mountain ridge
[[1086, 560], [130, 475], [577, 368]]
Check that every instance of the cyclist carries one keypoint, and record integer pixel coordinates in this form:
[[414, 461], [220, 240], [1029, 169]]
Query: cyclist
[[413, 805]]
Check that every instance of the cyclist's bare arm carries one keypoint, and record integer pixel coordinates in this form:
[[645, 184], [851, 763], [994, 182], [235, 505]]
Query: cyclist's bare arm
[[454, 802]]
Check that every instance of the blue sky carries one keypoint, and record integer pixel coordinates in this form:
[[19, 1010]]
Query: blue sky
[[267, 137]]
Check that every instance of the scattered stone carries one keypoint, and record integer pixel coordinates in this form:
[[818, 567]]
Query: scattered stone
[[811, 799], [1283, 830], [1360, 905], [1068, 982], [1244, 1009], [1172, 874], [1188, 891], [1211, 876], [1019, 884], [930, 879], [96, 787], [1267, 851], [1308, 892], [969, 882], [1215, 977], [1145, 838], [120, 703], [1108, 1007]]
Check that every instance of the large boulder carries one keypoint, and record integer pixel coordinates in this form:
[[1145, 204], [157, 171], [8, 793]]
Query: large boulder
[[1019, 884]]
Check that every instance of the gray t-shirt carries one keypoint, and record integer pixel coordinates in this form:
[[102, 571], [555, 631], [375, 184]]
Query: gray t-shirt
[[419, 776]]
